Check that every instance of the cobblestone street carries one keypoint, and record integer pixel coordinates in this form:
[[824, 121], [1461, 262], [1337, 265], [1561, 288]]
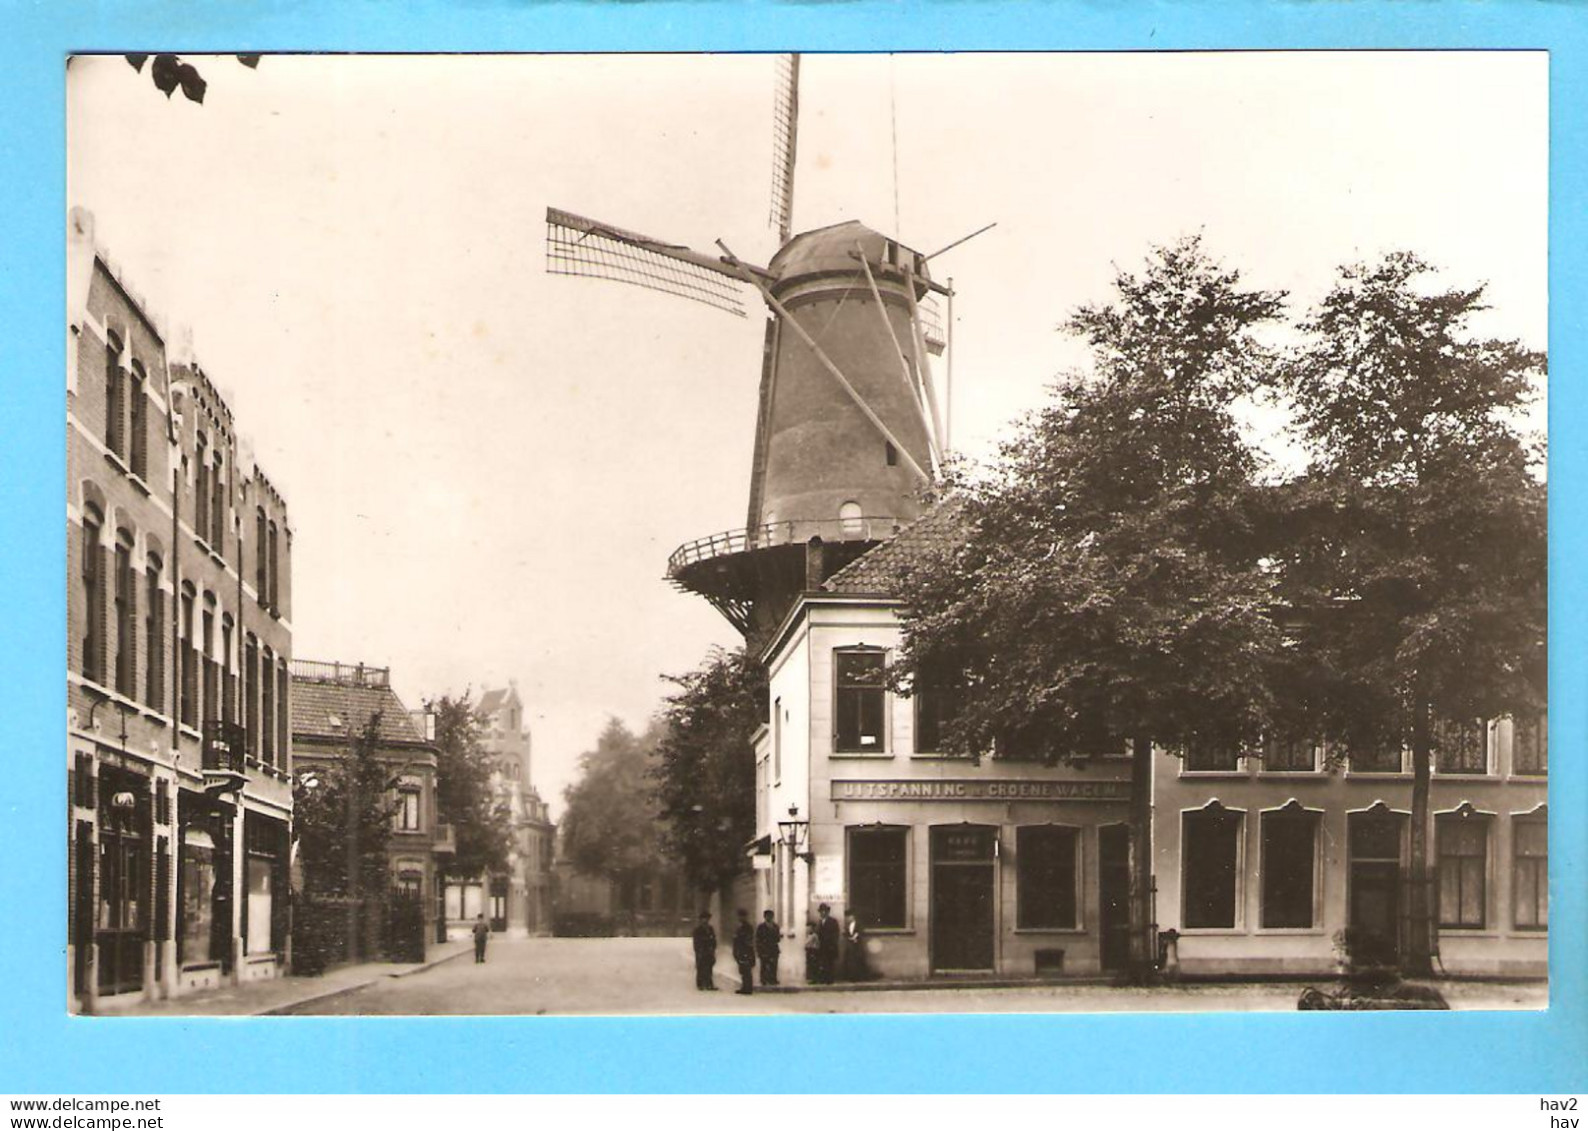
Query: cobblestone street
[[656, 976]]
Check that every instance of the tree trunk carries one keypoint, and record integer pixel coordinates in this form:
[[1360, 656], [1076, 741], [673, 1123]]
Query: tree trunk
[[1143, 929], [1418, 959]]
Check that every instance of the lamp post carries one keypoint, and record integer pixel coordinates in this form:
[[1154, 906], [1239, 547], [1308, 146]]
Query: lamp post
[[794, 835]]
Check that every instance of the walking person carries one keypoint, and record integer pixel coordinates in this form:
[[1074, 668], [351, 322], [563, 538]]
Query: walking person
[[705, 939], [768, 942], [744, 952], [482, 934], [827, 935]]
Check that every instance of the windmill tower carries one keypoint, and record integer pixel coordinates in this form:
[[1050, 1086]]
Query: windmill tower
[[849, 428]]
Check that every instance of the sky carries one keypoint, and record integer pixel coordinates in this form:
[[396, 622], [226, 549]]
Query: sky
[[486, 466]]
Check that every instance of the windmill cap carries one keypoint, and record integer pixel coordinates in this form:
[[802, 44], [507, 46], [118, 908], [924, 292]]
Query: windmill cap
[[831, 251]]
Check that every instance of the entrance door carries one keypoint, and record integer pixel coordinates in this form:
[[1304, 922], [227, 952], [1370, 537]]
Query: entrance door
[[1113, 890], [1375, 883], [118, 927], [962, 898]]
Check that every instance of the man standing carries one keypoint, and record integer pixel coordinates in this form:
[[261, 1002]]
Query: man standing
[[705, 952], [482, 932], [827, 935], [768, 941], [744, 952]]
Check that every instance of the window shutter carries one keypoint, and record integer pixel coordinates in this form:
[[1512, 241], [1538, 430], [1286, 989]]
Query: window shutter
[[162, 887]]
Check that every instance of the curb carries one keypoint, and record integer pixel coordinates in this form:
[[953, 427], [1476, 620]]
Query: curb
[[926, 984], [288, 1008]]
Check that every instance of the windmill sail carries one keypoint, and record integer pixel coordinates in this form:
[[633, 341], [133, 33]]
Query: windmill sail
[[785, 135], [579, 246]]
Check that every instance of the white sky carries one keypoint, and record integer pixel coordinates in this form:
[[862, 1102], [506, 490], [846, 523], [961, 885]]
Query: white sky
[[486, 466]]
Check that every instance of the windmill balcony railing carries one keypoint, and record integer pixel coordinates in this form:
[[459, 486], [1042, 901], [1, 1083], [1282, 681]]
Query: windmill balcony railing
[[862, 528]]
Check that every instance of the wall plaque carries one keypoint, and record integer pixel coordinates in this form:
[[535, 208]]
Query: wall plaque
[[938, 789]]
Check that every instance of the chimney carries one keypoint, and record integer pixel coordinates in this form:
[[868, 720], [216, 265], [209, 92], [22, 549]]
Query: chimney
[[815, 573]]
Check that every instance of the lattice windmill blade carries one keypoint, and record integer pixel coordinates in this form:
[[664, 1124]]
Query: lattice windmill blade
[[785, 136], [579, 246]]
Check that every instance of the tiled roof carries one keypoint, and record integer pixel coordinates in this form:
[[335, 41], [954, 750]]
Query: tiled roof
[[314, 701], [493, 699], [876, 572]]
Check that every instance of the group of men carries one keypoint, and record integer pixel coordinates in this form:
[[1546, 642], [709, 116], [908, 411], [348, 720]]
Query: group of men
[[764, 942]]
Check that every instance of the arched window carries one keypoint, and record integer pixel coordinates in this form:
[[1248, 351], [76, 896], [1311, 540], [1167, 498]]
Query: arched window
[[140, 423], [267, 673], [218, 507], [849, 521], [261, 557], [275, 574], [93, 659], [154, 636], [115, 395], [201, 491], [126, 617]]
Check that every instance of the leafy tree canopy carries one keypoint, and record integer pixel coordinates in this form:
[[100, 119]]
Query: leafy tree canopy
[[345, 799], [706, 772], [610, 825], [465, 795]]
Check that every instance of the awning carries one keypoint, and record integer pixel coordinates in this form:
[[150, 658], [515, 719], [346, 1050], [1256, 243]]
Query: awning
[[762, 846]]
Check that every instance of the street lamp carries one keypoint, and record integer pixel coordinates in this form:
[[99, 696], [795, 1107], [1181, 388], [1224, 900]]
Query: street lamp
[[795, 833]]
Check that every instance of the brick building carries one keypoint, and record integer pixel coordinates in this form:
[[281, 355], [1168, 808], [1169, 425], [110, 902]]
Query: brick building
[[331, 705], [178, 640]]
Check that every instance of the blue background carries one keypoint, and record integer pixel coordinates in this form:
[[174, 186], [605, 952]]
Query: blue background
[[43, 1050]]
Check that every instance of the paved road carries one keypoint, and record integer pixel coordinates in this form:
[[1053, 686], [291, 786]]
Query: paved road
[[634, 976]]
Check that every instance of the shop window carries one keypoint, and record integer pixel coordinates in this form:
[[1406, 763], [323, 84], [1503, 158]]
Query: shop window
[[1046, 869], [878, 876], [1530, 745], [198, 899], [1530, 873], [93, 596], [261, 894], [1210, 845], [126, 618], [858, 703], [1290, 842], [1461, 747], [154, 633], [1463, 840]]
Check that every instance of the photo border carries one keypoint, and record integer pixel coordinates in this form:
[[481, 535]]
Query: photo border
[[42, 1049]]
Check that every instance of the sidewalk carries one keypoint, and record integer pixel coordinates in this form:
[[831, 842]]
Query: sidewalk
[[284, 995]]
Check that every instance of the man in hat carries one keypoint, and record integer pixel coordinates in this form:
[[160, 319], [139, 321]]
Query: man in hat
[[768, 942], [705, 939], [744, 951], [827, 935]]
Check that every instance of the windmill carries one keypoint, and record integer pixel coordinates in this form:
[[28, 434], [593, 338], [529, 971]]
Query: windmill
[[849, 426]]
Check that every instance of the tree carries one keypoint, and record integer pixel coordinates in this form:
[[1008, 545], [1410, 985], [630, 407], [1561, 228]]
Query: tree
[[170, 72], [342, 813], [466, 798], [1111, 586], [1422, 529], [610, 821], [706, 774]]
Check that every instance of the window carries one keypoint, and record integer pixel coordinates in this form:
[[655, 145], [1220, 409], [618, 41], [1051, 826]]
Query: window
[[1530, 745], [251, 697], [409, 883], [228, 673], [261, 558], [275, 574], [1463, 869], [1209, 859], [115, 395], [1461, 747], [1381, 757], [1046, 859], [283, 715], [201, 491], [1211, 757], [188, 661], [154, 633], [267, 711], [140, 423], [777, 740], [126, 619], [890, 453], [877, 876], [218, 506], [1530, 879], [850, 523], [1290, 755], [93, 596], [211, 669], [858, 703], [1290, 841], [407, 816], [934, 707]]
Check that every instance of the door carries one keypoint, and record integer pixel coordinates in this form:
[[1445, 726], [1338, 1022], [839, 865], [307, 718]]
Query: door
[[1113, 890], [118, 927], [962, 898], [1375, 887]]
